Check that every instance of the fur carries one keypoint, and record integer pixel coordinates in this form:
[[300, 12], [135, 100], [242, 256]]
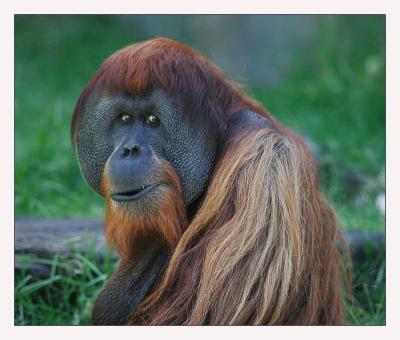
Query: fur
[[261, 248], [130, 229]]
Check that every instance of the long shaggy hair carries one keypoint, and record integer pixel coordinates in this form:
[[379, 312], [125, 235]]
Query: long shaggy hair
[[262, 247]]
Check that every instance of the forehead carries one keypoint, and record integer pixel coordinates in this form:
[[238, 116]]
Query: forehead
[[104, 104], [156, 98]]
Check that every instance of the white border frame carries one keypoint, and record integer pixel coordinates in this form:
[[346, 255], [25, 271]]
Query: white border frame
[[390, 8]]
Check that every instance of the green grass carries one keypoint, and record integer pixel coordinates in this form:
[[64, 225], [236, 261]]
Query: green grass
[[367, 305], [67, 295], [54, 58], [336, 97]]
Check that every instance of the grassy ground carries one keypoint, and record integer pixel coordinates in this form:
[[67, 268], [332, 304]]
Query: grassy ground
[[67, 295], [336, 97]]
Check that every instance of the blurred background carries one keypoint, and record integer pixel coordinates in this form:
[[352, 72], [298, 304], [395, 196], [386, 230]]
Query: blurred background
[[323, 76]]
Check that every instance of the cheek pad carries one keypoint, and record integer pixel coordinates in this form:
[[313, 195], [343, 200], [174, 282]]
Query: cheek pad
[[191, 151], [93, 146]]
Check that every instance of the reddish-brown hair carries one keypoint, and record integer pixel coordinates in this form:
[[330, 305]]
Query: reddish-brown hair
[[261, 249], [131, 230], [201, 86]]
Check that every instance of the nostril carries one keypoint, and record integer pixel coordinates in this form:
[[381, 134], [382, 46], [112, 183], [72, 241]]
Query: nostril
[[135, 149], [127, 151]]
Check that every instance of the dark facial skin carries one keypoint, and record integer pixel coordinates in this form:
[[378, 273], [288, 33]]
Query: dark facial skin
[[128, 131]]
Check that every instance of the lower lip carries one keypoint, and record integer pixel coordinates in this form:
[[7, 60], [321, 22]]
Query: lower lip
[[127, 198]]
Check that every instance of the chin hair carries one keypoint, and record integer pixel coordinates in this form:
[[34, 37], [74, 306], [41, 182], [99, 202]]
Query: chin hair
[[131, 226]]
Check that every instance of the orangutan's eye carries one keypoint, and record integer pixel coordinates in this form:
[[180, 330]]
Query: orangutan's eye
[[152, 120], [126, 118]]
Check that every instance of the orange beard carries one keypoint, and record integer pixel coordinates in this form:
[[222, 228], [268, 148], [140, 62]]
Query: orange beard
[[130, 228]]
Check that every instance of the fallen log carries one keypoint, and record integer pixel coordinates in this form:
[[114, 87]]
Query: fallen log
[[44, 238]]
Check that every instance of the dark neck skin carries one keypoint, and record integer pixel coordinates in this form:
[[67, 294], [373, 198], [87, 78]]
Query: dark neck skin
[[128, 286], [132, 282]]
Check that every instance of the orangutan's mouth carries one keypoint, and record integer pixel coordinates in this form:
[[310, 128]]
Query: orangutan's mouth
[[132, 195]]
